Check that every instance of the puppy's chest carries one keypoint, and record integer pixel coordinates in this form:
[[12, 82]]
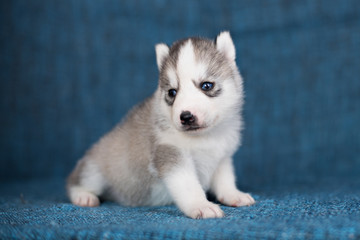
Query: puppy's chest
[[206, 163]]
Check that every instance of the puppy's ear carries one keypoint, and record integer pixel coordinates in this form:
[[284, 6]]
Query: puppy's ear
[[225, 45], [162, 51]]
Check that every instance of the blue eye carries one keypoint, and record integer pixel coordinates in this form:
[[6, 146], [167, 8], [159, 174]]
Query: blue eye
[[172, 93], [207, 86]]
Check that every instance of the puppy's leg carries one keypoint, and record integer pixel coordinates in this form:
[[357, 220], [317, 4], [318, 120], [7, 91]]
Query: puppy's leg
[[224, 187], [188, 194], [85, 184], [179, 175]]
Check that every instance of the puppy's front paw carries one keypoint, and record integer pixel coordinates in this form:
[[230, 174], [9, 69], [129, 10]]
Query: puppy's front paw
[[237, 199], [205, 210]]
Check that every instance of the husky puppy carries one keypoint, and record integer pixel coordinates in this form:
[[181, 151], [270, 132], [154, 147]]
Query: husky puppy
[[177, 144]]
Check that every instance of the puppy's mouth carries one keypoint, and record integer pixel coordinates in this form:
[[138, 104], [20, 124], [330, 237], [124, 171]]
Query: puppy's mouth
[[194, 128]]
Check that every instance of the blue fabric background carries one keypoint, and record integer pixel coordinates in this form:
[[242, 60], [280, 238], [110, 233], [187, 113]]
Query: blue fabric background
[[71, 69]]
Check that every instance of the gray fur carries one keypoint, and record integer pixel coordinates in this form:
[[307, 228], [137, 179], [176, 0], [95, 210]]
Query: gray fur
[[218, 66], [123, 154], [162, 123], [213, 93], [165, 158]]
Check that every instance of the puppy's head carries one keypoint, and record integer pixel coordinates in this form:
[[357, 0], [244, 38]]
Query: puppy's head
[[199, 83]]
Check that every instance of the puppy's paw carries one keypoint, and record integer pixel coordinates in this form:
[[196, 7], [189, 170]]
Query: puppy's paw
[[237, 199], [86, 199], [205, 210]]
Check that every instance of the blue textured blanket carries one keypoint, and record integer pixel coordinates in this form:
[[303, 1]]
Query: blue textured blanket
[[39, 210]]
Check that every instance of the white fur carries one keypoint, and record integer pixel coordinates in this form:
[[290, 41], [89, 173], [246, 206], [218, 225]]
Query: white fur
[[204, 150], [161, 52], [223, 185], [188, 98], [159, 195], [83, 197], [92, 179], [184, 187], [92, 184], [187, 67]]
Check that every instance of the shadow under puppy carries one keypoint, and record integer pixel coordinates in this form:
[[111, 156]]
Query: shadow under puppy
[[178, 143]]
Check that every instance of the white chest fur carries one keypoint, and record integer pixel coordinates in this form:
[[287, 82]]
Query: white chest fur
[[205, 151], [208, 155], [205, 166]]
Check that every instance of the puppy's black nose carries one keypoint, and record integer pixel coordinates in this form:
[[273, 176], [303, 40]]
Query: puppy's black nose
[[187, 118]]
